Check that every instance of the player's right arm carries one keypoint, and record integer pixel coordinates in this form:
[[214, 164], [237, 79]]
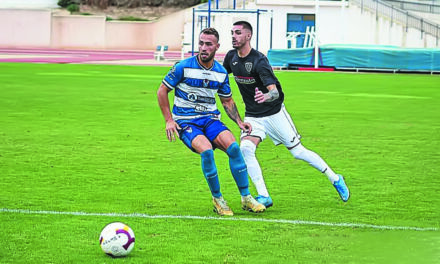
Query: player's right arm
[[169, 83], [164, 104]]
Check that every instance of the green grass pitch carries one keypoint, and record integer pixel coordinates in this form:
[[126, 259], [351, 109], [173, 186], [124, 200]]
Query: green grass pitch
[[91, 139]]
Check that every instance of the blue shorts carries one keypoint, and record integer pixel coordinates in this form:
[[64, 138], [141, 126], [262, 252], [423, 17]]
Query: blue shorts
[[206, 126]]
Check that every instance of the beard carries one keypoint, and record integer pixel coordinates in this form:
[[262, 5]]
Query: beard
[[237, 45], [207, 59]]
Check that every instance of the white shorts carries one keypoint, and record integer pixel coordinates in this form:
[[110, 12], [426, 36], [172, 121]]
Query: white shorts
[[279, 127]]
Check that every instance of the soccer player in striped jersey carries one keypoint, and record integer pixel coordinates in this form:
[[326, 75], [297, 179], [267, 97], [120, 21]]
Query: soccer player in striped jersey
[[195, 118], [265, 111]]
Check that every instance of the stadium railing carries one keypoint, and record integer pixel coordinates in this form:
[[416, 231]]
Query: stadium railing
[[416, 6], [400, 16]]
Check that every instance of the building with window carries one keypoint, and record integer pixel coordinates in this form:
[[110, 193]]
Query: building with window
[[285, 24]]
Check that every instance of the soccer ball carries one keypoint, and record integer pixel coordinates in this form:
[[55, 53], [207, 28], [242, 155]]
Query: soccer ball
[[117, 239]]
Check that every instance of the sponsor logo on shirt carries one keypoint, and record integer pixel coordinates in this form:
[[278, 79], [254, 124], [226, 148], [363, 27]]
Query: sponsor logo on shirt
[[192, 97], [200, 108], [203, 99], [245, 80]]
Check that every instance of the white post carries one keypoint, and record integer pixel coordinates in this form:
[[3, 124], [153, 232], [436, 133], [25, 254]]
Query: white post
[[182, 54], [306, 37], [316, 33], [343, 22]]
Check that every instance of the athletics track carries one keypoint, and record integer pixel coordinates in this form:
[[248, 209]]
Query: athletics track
[[90, 56]]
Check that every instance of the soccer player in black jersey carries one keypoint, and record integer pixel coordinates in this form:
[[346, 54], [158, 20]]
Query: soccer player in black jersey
[[265, 111]]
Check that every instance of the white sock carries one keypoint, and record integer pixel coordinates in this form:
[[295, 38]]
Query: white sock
[[301, 153], [248, 149], [331, 175]]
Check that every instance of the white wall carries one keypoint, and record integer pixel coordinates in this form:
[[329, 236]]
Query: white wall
[[28, 4], [78, 32], [118, 37], [40, 28], [25, 28], [368, 30], [335, 25], [37, 28]]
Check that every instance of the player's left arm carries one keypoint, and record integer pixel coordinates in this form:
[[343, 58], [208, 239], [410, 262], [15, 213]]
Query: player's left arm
[[268, 78], [232, 111], [270, 96]]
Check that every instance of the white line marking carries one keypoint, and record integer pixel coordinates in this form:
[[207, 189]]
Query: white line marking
[[392, 96], [282, 221], [396, 96], [93, 74]]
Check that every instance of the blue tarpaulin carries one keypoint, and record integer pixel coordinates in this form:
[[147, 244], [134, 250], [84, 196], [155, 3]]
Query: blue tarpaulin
[[359, 56]]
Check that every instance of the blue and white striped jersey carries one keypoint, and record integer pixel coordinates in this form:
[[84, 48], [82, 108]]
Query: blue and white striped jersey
[[195, 88]]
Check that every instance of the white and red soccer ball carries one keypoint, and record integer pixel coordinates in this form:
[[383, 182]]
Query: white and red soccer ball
[[117, 239]]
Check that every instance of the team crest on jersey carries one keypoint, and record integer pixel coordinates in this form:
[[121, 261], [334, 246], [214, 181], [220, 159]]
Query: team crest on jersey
[[248, 66], [205, 83]]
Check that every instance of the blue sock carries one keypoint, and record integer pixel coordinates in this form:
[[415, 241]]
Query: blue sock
[[238, 168], [210, 171]]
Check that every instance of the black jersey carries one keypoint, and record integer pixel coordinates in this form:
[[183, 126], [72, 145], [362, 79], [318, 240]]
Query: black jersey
[[251, 72]]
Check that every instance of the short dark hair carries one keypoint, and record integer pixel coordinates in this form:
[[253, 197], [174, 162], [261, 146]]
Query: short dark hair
[[244, 24], [210, 31]]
